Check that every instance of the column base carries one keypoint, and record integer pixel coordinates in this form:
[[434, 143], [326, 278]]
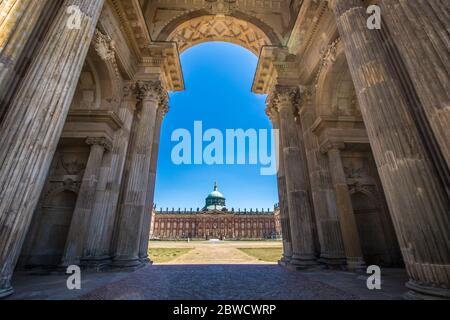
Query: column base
[[356, 264], [302, 262], [333, 262], [95, 263], [421, 292], [127, 264], [284, 261], [6, 291], [146, 260], [66, 263]]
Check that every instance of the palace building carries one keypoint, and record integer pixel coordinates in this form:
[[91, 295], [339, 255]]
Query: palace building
[[215, 221]]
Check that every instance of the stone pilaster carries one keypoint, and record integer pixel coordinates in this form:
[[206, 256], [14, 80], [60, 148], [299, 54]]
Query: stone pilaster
[[97, 246], [344, 207], [300, 214], [282, 196], [420, 32], [417, 202], [132, 208], [18, 19], [145, 230], [85, 202], [324, 200], [31, 130]]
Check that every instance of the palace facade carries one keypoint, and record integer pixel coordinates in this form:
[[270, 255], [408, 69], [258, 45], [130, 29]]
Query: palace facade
[[215, 221]]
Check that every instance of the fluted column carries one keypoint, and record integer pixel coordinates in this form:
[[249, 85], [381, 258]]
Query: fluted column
[[33, 126], [417, 202], [96, 249], [136, 182], [85, 202], [344, 207], [420, 30], [18, 19], [300, 214], [282, 196], [145, 230], [332, 252]]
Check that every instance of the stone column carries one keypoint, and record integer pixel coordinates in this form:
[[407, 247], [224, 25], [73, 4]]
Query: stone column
[[332, 252], [18, 19], [300, 214], [344, 207], [96, 250], [417, 201], [420, 31], [31, 130], [148, 213], [281, 179], [85, 202], [136, 182]]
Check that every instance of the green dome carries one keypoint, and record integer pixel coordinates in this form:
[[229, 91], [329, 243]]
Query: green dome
[[215, 194], [215, 200]]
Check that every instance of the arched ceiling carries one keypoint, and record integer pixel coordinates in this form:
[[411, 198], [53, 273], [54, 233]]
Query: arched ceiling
[[274, 18]]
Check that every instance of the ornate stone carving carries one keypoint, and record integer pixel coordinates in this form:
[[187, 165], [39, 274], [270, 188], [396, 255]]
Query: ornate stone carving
[[329, 56], [283, 95], [91, 141], [271, 112], [104, 46], [130, 90], [163, 106], [221, 7], [72, 163], [213, 28], [106, 50], [151, 90]]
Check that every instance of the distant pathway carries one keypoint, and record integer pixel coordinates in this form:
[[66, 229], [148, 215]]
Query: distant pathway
[[213, 254]]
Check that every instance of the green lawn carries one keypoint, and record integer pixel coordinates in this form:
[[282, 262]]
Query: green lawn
[[264, 254], [161, 255]]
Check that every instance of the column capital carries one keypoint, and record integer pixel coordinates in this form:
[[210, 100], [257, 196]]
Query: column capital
[[328, 146], [163, 108], [102, 142], [151, 90], [272, 113], [283, 96]]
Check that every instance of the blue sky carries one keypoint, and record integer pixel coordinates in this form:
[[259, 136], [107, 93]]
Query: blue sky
[[218, 78]]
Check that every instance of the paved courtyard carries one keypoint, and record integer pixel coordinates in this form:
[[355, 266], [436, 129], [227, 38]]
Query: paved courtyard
[[213, 271], [243, 282]]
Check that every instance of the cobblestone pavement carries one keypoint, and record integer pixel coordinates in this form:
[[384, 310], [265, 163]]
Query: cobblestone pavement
[[217, 282], [212, 271]]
